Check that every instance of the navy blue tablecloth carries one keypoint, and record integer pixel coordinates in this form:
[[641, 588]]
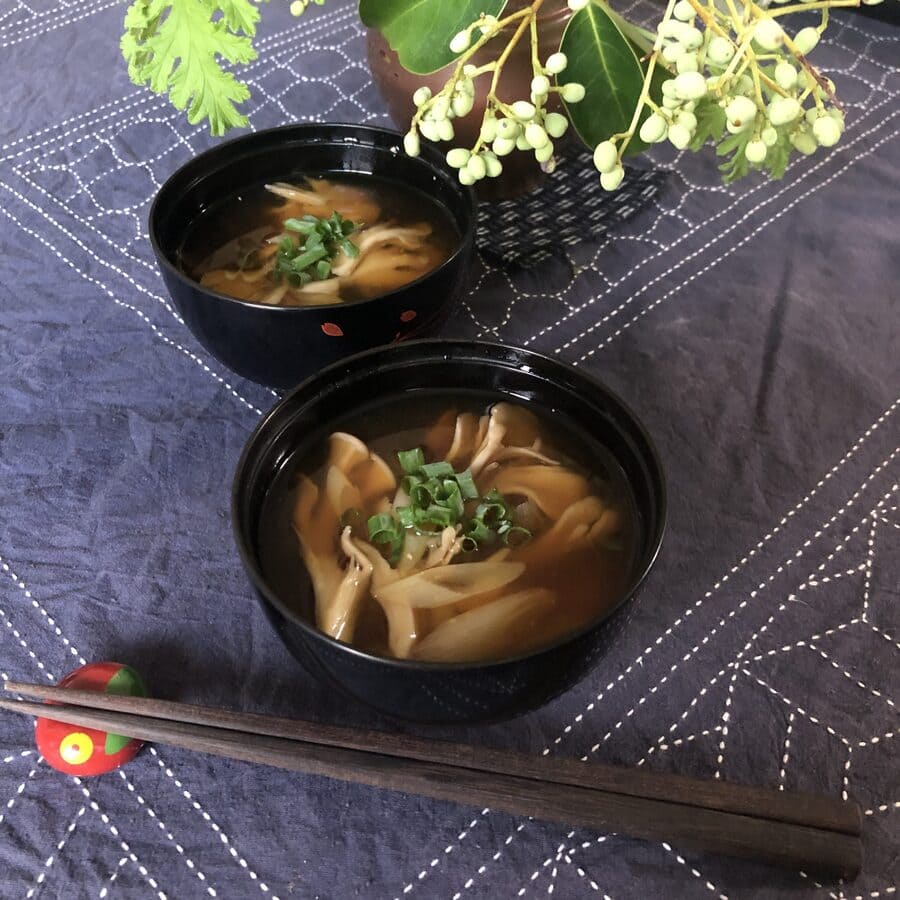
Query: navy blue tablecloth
[[753, 327]]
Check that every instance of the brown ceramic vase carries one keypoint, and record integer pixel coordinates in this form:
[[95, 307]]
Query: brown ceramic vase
[[521, 173]]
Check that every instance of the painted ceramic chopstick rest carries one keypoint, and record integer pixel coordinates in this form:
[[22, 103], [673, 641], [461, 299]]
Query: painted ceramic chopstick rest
[[82, 751]]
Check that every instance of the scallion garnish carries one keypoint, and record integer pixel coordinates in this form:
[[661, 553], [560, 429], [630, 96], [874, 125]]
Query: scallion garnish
[[437, 469], [412, 460], [309, 256], [493, 509], [441, 516], [477, 531], [515, 536], [386, 530], [437, 500], [467, 485]]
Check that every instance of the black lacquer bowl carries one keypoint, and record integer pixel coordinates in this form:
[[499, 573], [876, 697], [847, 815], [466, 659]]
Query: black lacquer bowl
[[280, 346], [439, 692]]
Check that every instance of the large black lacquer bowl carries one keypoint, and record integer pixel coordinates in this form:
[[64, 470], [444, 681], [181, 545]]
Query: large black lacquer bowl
[[438, 692], [280, 346]]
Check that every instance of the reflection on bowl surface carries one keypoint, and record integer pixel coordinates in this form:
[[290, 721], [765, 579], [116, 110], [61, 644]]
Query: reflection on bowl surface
[[602, 437], [403, 284]]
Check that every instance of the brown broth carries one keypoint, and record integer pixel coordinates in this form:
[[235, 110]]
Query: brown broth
[[586, 582], [227, 248]]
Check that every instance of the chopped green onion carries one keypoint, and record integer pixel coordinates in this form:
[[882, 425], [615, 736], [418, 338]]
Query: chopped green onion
[[322, 240], [384, 529], [437, 500], [493, 509], [422, 495], [434, 515], [300, 262], [382, 526], [437, 469], [300, 226], [516, 536], [408, 482], [453, 499], [412, 460], [467, 485], [477, 531]]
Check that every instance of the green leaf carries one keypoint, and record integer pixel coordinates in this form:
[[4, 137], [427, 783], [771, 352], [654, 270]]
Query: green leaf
[[642, 39], [605, 62], [177, 47], [239, 15], [710, 122], [420, 31], [778, 156], [737, 166]]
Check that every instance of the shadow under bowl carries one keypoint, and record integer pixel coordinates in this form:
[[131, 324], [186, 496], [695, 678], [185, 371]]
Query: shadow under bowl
[[279, 346], [438, 692]]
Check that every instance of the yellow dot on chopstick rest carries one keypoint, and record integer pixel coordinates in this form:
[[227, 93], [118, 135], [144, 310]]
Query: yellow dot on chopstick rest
[[76, 748]]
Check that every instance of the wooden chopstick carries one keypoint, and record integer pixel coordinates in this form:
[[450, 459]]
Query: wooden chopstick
[[800, 831], [802, 809]]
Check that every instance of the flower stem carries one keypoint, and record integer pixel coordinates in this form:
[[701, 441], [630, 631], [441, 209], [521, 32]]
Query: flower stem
[[804, 7], [626, 136]]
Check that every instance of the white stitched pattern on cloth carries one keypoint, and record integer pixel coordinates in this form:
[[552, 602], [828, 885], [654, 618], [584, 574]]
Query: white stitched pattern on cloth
[[80, 216], [128, 784], [878, 470]]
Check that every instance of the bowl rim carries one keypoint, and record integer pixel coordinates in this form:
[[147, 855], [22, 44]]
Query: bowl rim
[[435, 163], [263, 590]]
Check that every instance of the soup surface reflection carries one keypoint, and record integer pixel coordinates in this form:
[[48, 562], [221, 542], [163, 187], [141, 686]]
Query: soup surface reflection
[[450, 529], [318, 241]]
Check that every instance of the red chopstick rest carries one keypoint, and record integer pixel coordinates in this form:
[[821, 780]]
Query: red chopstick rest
[[86, 751]]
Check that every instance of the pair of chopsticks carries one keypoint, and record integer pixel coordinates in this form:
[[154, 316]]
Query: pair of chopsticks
[[801, 831]]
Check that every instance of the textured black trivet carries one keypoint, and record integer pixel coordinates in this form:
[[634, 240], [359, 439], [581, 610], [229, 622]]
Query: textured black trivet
[[568, 208]]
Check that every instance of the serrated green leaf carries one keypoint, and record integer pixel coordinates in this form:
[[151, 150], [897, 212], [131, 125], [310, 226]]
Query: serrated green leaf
[[176, 47], [239, 15], [733, 140], [604, 61], [710, 122], [778, 157], [420, 31], [737, 166]]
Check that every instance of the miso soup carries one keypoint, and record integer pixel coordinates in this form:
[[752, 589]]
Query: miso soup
[[319, 240], [451, 528]]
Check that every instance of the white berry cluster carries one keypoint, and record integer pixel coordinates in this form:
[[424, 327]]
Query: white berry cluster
[[298, 7], [748, 79], [522, 125]]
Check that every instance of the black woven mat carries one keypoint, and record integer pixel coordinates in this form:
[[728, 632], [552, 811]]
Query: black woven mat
[[568, 208]]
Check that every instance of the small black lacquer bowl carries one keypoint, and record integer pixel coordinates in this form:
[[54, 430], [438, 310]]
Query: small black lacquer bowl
[[280, 346], [439, 692]]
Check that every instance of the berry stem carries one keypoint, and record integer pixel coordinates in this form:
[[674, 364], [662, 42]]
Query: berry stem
[[529, 14], [627, 135], [805, 7], [492, 32], [708, 18], [535, 61]]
